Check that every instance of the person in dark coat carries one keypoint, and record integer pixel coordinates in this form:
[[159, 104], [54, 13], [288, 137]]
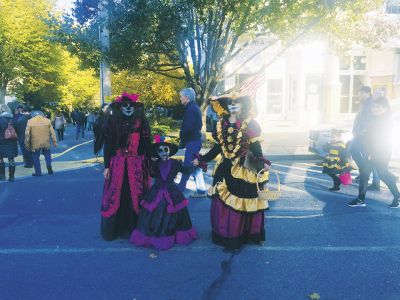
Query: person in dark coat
[[376, 152], [80, 120], [359, 131], [190, 138], [8, 147], [21, 120]]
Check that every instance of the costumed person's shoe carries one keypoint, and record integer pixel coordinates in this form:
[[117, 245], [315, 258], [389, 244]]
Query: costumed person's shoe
[[34, 174], [11, 172], [2, 171], [50, 170]]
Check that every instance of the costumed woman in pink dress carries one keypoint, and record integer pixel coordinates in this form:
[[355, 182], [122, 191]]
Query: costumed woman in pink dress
[[126, 161], [237, 214]]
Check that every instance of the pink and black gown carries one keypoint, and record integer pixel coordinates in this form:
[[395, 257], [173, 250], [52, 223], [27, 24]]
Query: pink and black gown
[[164, 218], [237, 215], [125, 154]]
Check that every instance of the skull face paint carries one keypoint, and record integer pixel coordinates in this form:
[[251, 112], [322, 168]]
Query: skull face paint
[[127, 109], [234, 107], [163, 152]]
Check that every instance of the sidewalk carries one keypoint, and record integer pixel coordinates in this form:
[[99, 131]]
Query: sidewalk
[[70, 154]]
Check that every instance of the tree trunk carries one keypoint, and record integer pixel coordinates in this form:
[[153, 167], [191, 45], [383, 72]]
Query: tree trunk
[[3, 89]]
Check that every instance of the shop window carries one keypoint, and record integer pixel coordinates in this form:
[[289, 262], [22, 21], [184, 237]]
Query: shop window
[[274, 96], [351, 84], [359, 63], [352, 79], [240, 78], [293, 94], [345, 93], [392, 6]]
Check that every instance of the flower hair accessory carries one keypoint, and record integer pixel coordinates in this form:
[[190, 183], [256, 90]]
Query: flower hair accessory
[[131, 97]]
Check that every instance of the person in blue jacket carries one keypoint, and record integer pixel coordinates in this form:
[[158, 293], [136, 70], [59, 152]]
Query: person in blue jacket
[[190, 138]]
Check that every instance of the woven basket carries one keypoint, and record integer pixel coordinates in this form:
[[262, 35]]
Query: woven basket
[[269, 195]]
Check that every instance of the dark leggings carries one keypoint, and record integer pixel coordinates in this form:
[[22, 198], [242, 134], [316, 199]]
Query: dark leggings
[[381, 167], [336, 180]]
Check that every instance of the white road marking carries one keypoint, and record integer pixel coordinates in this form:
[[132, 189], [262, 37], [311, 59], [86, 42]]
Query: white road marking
[[70, 149], [56, 250], [297, 168], [295, 217]]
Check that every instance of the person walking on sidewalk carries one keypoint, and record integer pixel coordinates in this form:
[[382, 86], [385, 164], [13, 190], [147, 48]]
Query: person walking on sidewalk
[[8, 146], [376, 152], [80, 120], [190, 138], [59, 125], [21, 120], [37, 139], [336, 163], [91, 119]]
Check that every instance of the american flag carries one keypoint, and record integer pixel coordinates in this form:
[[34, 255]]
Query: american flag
[[251, 85]]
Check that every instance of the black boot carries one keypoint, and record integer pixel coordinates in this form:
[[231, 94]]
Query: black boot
[[11, 172], [336, 183], [50, 170], [2, 171]]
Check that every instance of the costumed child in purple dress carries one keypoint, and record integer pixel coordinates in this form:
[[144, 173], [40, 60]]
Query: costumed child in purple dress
[[164, 218]]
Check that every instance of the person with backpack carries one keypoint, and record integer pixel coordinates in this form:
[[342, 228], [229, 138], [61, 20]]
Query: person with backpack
[[8, 142]]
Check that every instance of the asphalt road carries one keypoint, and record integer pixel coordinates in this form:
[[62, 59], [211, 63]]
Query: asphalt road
[[50, 247]]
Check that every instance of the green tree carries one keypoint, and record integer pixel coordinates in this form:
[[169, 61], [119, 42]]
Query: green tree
[[154, 89], [27, 56], [80, 86], [200, 37]]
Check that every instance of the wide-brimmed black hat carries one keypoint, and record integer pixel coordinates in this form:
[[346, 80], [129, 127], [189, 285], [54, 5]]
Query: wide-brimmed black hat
[[220, 103], [172, 148]]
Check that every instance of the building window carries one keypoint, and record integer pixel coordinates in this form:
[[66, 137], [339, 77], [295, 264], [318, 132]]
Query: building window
[[240, 78], [274, 96], [392, 6], [293, 94], [359, 63], [352, 79]]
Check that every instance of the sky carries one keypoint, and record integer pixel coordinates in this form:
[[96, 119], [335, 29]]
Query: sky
[[64, 4]]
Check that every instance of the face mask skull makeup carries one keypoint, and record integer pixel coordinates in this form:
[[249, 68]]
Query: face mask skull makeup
[[163, 152], [127, 109], [234, 107]]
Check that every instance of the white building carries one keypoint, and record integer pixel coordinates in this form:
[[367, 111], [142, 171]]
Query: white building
[[310, 85]]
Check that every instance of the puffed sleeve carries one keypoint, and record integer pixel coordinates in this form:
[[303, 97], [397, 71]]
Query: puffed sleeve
[[253, 134]]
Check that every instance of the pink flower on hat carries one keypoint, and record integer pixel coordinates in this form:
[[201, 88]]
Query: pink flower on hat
[[131, 97]]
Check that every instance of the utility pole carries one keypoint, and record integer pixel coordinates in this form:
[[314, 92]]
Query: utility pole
[[104, 36]]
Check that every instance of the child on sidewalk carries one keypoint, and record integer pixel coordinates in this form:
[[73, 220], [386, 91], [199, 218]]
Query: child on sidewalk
[[164, 218], [337, 162]]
